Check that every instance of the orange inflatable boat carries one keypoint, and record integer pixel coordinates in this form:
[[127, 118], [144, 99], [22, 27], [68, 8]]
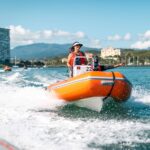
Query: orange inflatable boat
[[88, 88], [92, 86]]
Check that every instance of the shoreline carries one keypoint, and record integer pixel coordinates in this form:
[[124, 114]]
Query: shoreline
[[65, 66], [106, 65]]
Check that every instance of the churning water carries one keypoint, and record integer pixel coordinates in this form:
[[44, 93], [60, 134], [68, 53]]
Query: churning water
[[31, 119]]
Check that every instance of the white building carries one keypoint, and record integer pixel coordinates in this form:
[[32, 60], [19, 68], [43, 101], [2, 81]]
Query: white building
[[64, 60], [110, 52]]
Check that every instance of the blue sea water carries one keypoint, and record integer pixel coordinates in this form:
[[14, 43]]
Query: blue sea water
[[31, 119]]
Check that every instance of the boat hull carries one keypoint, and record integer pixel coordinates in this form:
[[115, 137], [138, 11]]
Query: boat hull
[[93, 84]]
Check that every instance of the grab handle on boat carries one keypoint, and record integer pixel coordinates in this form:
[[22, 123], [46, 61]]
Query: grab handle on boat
[[112, 86]]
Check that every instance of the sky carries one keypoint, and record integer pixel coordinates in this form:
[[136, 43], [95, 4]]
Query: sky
[[95, 23]]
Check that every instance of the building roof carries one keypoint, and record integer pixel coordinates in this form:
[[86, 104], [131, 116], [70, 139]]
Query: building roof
[[4, 29]]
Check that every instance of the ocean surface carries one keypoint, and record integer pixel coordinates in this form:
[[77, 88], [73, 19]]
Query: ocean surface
[[31, 119]]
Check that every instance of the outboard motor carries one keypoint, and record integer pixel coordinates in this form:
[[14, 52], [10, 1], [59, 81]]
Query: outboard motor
[[96, 63]]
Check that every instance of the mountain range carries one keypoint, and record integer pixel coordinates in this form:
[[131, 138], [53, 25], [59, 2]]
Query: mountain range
[[45, 50]]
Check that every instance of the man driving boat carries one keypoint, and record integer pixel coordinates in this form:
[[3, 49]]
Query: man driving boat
[[74, 52], [77, 57]]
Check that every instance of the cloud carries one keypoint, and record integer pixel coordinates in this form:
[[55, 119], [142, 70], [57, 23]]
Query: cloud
[[22, 36], [143, 41], [117, 37], [146, 35], [95, 43], [18, 30], [80, 34], [127, 36], [141, 44], [114, 38]]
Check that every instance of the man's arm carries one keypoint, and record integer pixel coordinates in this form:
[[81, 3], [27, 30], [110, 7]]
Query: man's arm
[[69, 59], [111, 66]]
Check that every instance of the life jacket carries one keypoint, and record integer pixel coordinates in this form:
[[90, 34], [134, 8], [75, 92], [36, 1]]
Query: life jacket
[[78, 61]]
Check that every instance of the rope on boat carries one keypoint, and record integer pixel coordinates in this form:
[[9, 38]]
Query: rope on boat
[[111, 86]]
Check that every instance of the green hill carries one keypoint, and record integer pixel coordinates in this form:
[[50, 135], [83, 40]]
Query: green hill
[[44, 50]]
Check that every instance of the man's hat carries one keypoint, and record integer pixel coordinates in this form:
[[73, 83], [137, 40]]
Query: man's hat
[[76, 43]]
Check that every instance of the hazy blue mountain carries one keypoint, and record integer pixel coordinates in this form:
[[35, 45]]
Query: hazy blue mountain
[[44, 50]]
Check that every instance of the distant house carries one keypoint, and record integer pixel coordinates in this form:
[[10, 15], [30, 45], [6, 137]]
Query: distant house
[[110, 52], [4, 45], [64, 60]]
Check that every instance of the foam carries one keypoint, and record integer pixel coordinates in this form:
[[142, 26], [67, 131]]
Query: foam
[[33, 119], [141, 95]]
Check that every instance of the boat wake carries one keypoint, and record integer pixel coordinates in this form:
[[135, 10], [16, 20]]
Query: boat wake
[[141, 95]]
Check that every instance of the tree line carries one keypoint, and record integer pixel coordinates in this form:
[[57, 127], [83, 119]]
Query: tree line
[[129, 57]]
